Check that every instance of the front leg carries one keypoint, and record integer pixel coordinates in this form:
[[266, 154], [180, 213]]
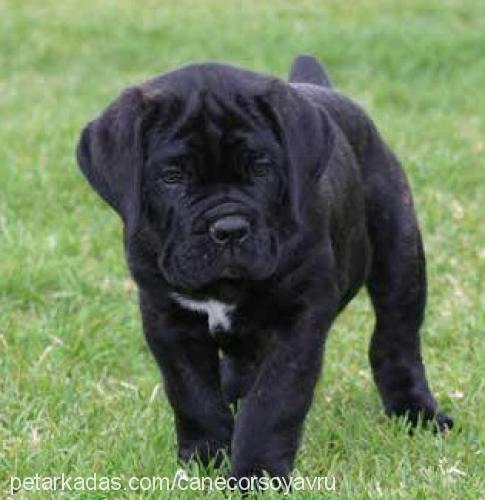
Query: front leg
[[270, 419], [189, 362]]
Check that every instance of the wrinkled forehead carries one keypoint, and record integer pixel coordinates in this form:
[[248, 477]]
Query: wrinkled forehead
[[213, 122]]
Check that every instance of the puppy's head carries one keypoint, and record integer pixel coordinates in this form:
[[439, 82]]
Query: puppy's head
[[216, 162]]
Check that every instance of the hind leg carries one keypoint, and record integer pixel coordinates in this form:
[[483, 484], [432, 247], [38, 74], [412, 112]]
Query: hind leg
[[237, 377], [397, 287]]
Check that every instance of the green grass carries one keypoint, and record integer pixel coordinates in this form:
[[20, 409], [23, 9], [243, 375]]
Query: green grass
[[77, 381]]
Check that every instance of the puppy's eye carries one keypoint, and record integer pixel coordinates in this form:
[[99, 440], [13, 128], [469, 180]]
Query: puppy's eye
[[260, 167], [172, 175]]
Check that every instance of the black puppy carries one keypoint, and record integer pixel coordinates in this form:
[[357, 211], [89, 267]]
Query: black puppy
[[254, 210]]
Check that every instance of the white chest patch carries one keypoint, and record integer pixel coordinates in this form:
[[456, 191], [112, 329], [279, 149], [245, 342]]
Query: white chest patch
[[218, 313]]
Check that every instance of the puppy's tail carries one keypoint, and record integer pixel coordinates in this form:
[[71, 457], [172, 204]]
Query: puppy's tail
[[306, 69]]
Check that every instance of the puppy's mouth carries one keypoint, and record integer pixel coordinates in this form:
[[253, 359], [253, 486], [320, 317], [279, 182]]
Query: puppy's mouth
[[193, 267], [232, 273], [230, 290], [230, 285]]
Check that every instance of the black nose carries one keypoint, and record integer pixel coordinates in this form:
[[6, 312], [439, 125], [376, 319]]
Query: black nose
[[231, 228]]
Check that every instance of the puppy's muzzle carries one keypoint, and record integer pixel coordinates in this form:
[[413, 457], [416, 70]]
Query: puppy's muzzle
[[232, 229]]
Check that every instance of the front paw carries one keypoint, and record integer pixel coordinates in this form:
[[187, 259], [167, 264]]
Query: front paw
[[260, 477], [206, 452]]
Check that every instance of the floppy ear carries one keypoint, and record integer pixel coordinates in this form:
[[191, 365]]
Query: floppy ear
[[308, 138], [109, 154]]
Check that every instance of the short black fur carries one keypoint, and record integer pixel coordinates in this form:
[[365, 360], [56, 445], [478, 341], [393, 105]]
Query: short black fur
[[282, 200]]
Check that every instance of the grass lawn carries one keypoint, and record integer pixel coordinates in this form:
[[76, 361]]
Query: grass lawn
[[79, 389]]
